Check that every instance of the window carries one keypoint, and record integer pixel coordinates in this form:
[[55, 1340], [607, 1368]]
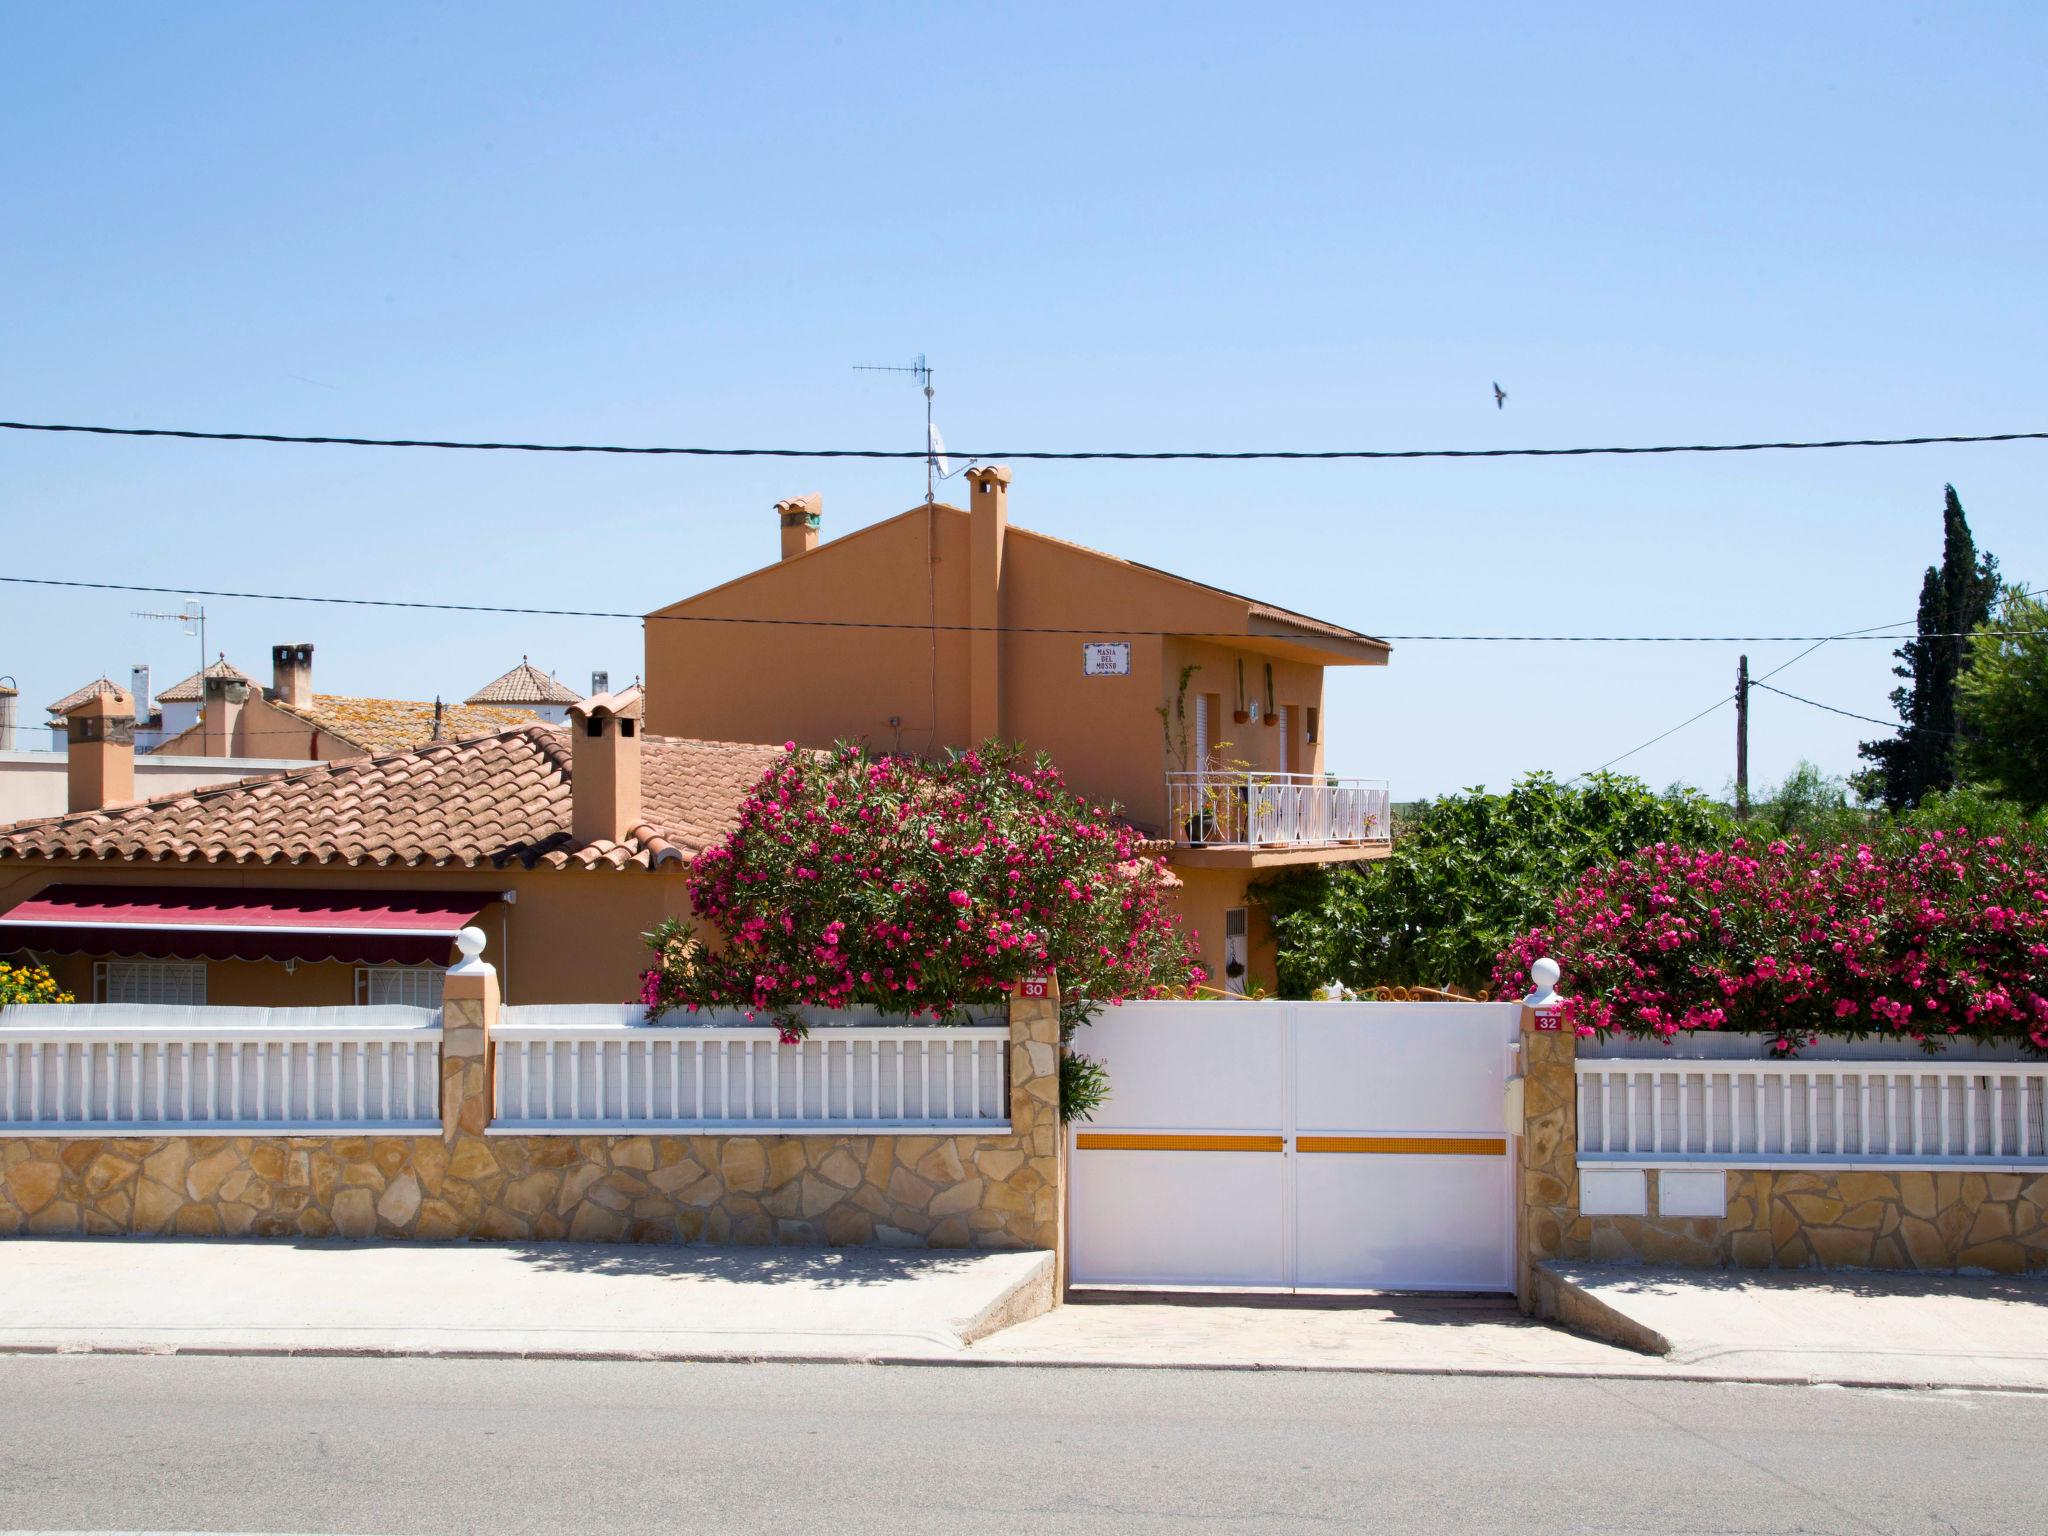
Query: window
[[402, 986], [1312, 726], [163, 983], [1286, 745]]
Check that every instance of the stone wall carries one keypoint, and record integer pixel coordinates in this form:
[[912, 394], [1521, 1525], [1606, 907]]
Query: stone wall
[[1803, 1219], [997, 1191]]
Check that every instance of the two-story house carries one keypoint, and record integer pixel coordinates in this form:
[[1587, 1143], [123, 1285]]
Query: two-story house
[[1199, 711]]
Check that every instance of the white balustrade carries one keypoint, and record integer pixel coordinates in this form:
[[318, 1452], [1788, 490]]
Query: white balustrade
[[565, 1072], [131, 1070], [1250, 809], [1797, 1114]]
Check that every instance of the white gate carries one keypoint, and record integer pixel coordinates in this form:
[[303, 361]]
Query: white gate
[[1297, 1145]]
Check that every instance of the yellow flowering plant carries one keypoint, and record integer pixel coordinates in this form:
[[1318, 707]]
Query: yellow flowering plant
[[30, 984]]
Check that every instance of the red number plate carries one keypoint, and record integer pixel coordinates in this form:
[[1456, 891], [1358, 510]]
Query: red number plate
[[1034, 986]]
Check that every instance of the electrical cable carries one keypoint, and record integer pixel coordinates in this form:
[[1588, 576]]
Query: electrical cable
[[1211, 456], [1108, 628], [1632, 751], [1890, 725]]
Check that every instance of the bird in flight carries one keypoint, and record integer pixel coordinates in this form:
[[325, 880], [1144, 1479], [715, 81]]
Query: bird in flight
[[1500, 396]]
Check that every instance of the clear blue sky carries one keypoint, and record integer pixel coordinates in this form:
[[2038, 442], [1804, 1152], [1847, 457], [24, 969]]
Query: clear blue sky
[[1171, 226]]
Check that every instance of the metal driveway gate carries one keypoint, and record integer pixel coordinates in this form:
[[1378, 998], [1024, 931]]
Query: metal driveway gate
[[1296, 1145]]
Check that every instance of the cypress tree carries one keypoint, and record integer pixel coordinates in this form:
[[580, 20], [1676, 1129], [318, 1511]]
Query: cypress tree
[[1955, 597]]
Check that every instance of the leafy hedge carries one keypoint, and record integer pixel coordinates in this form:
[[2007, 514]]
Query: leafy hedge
[[1928, 936], [1469, 873], [921, 888]]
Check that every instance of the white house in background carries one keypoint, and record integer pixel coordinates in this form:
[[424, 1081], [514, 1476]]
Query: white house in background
[[527, 687], [32, 784]]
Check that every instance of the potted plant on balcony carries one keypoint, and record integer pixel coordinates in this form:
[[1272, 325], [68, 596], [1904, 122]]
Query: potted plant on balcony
[[1272, 714], [1241, 714]]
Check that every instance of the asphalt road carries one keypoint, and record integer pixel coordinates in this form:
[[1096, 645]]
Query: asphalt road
[[356, 1445]]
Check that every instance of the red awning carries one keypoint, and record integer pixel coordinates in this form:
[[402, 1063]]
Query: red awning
[[235, 923]]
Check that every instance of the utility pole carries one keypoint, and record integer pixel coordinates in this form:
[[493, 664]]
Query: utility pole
[[1742, 740]]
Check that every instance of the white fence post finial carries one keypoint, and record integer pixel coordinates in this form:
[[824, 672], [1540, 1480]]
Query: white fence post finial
[[1544, 973], [471, 942]]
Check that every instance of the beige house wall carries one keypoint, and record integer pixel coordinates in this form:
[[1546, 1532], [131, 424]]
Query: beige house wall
[[261, 729], [994, 1191], [570, 936]]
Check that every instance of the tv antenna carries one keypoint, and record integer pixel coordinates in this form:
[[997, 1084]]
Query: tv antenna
[[193, 617], [935, 465]]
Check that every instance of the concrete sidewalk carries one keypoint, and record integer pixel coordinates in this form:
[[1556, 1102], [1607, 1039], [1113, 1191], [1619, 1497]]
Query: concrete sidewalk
[[522, 1299], [603, 1301], [1863, 1328]]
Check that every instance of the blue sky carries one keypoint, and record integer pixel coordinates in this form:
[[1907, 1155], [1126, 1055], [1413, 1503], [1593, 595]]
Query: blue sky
[[1143, 227]]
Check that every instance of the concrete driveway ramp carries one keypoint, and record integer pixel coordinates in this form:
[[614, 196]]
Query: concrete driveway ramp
[[1855, 1327]]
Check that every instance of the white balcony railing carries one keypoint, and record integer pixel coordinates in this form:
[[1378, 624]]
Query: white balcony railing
[[1285, 810]]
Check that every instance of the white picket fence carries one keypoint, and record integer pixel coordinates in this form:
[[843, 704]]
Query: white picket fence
[[120, 1070], [1793, 1114], [582, 1071]]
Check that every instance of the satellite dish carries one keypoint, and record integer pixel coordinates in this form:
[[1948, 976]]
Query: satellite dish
[[937, 448]]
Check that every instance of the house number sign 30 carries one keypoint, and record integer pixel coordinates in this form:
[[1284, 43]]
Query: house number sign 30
[[1106, 658]]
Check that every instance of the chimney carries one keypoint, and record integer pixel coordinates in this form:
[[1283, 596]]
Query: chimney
[[220, 712], [291, 675], [989, 519], [99, 768], [8, 695], [604, 769], [800, 516], [138, 686]]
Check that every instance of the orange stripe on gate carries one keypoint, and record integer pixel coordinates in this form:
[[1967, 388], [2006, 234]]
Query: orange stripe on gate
[[1110, 1141], [1440, 1146]]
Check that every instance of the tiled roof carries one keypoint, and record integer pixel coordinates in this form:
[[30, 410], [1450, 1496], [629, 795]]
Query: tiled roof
[[78, 696], [191, 690], [491, 801], [524, 684], [392, 725]]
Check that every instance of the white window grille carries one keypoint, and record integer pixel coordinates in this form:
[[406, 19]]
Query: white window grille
[[403, 986], [1201, 733], [159, 983]]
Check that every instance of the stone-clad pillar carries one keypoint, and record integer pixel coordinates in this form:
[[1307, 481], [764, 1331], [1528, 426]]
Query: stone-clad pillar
[[1035, 1102], [469, 1007], [1549, 1225]]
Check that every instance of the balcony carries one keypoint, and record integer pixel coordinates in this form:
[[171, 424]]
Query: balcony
[[1276, 810]]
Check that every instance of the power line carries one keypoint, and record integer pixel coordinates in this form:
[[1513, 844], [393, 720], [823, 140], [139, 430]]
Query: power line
[[1109, 627], [1210, 455], [1632, 751], [1890, 725]]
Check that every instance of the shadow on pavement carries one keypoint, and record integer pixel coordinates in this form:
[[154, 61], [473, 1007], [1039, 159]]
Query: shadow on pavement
[[816, 1267]]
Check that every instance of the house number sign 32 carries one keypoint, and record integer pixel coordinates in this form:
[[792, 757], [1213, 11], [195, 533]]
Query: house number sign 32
[[1106, 658]]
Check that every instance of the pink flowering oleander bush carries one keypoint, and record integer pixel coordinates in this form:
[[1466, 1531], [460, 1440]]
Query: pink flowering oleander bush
[[919, 888], [1931, 936]]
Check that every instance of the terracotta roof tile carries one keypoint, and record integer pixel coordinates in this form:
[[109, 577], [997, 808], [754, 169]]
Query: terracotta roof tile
[[191, 690], [392, 725], [524, 684], [494, 800], [78, 696]]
